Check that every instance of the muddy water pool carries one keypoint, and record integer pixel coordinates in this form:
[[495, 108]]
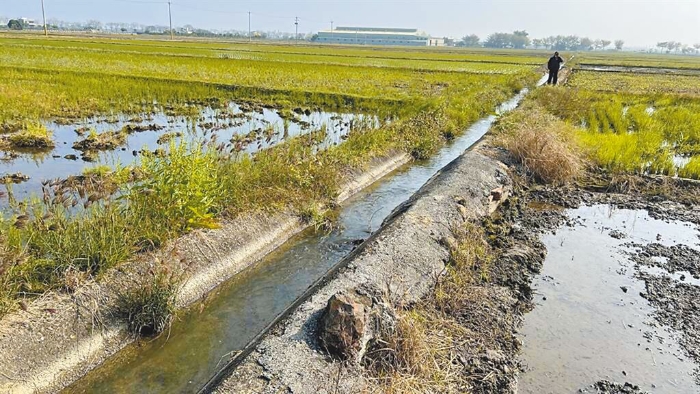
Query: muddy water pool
[[591, 322]]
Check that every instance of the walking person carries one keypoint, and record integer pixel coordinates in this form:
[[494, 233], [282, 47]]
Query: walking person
[[554, 65]]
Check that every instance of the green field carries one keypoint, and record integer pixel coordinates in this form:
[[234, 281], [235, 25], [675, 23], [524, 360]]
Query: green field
[[633, 123], [112, 91]]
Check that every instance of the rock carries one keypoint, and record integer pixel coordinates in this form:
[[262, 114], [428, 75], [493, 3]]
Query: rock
[[343, 324], [624, 288], [497, 194]]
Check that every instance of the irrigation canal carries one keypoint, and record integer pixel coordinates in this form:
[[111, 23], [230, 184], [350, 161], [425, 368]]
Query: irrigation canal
[[207, 335]]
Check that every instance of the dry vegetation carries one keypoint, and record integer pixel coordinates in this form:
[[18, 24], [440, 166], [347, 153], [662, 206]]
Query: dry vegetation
[[545, 146], [458, 339]]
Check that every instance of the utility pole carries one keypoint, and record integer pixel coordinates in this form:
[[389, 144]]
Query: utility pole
[[331, 30], [170, 16], [46, 31], [250, 37], [296, 24]]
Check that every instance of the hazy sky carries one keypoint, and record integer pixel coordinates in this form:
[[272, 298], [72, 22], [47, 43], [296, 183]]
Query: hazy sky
[[639, 23]]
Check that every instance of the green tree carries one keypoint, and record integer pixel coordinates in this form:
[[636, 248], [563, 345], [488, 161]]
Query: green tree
[[519, 39], [15, 24], [498, 40], [619, 44], [471, 40]]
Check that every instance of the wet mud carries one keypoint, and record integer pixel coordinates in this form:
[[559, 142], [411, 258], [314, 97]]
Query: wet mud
[[617, 306]]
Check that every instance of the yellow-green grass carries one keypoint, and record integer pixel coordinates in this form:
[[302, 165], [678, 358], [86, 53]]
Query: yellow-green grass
[[209, 47], [629, 83], [85, 229], [631, 133], [628, 59], [495, 66]]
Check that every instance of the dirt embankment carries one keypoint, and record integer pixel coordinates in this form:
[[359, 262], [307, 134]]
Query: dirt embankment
[[401, 266], [59, 337]]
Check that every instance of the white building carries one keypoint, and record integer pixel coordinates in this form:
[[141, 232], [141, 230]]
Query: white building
[[378, 36], [28, 22]]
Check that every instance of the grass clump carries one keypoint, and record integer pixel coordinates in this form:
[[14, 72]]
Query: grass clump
[[149, 308], [101, 141], [32, 136], [545, 146]]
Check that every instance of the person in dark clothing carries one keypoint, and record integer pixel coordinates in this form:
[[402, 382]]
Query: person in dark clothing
[[554, 65]]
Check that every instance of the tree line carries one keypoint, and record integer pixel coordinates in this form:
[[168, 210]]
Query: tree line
[[520, 39]]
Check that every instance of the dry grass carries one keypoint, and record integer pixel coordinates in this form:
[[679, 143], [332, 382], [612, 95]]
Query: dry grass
[[418, 355], [545, 146], [425, 349]]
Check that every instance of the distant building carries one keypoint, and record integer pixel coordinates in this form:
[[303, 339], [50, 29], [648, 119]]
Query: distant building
[[378, 36], [28, 22]]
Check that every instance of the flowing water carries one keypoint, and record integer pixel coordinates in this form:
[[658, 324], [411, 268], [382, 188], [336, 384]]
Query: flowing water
[[590, 322], [205, 337]]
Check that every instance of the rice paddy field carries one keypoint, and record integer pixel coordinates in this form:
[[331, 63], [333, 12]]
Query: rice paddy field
[[633, 113], [111, 147]]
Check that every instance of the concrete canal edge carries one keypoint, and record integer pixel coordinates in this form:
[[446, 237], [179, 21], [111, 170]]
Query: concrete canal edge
[[61, 337], [404, 259]]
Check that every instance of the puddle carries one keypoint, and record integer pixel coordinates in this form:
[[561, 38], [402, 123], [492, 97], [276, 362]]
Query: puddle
[[681, 161], [264, 128], [590, 322], [205, 337]]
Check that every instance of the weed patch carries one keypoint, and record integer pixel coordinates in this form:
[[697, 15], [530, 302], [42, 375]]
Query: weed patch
[[545, 146], [149, 308]]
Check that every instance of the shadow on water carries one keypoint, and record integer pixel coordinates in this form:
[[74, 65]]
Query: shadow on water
[[207, 335], [590, 322]]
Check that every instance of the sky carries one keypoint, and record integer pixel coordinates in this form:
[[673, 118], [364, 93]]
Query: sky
[[639, 23]]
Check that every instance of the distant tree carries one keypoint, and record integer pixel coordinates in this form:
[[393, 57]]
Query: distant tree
[[15, 24], [538, 43], [519, 39], [606, 43], [662, 46], [497, 40], [619, 44], [314, 38], [697, 48], [471, 40], [586, 44]]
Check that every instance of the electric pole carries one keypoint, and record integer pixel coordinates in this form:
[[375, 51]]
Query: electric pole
[[296, 31], [250, 37], [46, 31], [170, 16], [331, 29]]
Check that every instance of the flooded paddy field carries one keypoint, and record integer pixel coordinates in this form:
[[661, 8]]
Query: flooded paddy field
[[119, 141]]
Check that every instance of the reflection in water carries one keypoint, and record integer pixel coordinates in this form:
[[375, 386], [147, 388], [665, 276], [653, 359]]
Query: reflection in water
[[241, 129], [208, 334]]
